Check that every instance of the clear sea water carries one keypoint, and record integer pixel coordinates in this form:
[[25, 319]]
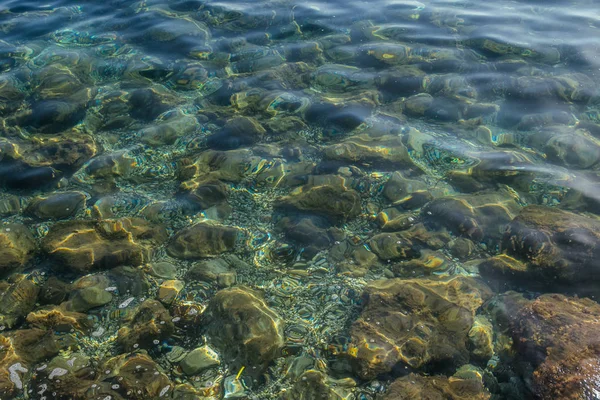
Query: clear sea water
[[321, 156]]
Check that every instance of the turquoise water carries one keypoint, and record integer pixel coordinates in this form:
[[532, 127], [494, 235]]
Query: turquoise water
[[282, 200]]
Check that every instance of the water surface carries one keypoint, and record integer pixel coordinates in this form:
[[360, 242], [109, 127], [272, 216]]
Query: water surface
[[299, 200]]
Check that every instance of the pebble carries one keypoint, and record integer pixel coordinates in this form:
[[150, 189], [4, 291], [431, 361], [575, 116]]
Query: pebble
[[199, 360]]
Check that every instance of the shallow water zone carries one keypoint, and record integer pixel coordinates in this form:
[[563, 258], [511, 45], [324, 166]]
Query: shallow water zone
[[299, 200]]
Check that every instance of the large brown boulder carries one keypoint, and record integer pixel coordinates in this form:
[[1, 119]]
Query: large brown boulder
[[558, 335], [415, 322], [82, 246], [244, 328]]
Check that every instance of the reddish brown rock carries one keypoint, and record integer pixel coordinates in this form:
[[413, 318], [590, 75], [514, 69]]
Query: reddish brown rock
[[558, 335]]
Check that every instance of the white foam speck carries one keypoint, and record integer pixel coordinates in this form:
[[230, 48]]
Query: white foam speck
[[57, 372], [126, 302], [14, 376], [163, 391]]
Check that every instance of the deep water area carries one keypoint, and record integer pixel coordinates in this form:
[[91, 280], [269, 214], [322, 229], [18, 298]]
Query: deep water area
[[299, 200]]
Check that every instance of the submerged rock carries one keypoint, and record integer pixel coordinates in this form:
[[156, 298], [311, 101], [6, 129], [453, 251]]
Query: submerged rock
[[17, 300], [558, 336], [309, 231], [16, 247], [204, 192], [59, 320], [56, 206], [10, 205], [237, 132], [503, 270], [408, 244], [127, 376], [169, 129], [199, 360], [214, 270], [567, 147], [129, 280], [138, 377], [415, 322], [67, 375], [465, 384], [387, 150], [87, 293], [20, 350], [481, 217], [244, 328], [314, 384], [34, 345], [82, 246], [481, 339], [12, 370], [54, 291], [418, 104], [203, 240], [169, 290], [150, 322], [559, 247], [461, 248], [399, 187], [332, 201], [163, 270]]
